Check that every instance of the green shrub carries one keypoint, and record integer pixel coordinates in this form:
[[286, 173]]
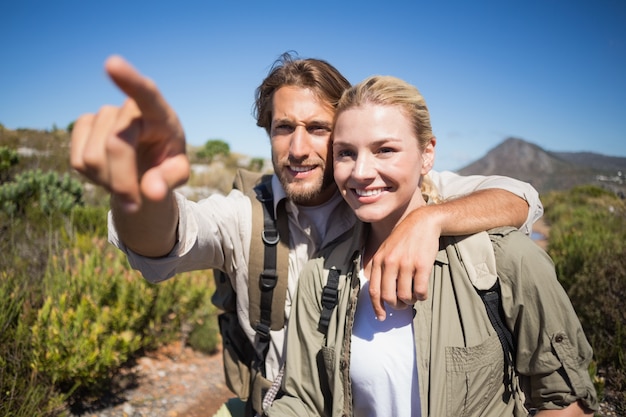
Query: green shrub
[[8, 159], [87, 326], [98, 314], [597, 295], [46, 193], [204, 336], [588, 245], [23, 392], [90, 220], [72, 310], [585, 221]]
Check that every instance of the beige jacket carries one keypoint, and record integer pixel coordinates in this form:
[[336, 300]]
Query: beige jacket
[[552, 353]]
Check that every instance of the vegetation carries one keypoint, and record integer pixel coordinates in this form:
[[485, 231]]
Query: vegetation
[[213, 148], [8, 159], [74, 313], [588, 245]]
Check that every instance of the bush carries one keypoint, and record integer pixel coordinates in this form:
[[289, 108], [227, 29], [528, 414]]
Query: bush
[[8, 159], [23, 392], [204, 336], [98, 314], [34, 210], [597, 294], [46, 193], [588, 245], [72, 311], [90, 220]]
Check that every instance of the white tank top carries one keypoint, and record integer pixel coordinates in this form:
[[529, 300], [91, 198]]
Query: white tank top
[[383, 367]]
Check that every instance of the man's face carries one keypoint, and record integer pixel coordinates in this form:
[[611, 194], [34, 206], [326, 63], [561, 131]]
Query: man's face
[[300, 138]]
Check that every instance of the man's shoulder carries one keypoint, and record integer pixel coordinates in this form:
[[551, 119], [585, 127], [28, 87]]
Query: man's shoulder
[[246, 180]]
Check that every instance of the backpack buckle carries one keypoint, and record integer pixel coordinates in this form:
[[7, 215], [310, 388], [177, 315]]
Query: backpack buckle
[[270, 237], [268, 280], [330, 297], [263, 330]]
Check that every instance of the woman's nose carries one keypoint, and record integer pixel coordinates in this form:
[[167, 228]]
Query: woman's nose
[[364, 167]]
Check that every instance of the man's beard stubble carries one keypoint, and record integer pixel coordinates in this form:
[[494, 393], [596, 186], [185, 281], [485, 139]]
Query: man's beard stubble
[[305, 192]]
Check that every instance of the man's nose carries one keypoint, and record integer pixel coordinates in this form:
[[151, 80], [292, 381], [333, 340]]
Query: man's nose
[[299, 145]]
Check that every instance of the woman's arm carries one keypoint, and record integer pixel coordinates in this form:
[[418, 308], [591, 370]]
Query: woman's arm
[[552, 353]]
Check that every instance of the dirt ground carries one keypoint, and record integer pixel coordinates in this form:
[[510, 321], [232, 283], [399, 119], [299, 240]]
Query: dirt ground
[[170, 382]]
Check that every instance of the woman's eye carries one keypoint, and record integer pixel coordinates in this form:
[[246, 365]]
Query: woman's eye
[[344, 153]]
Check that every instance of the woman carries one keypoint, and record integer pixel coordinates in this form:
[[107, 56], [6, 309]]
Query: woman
[[443, 356]]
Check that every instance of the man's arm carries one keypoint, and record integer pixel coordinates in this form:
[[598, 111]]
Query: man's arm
[[151, 230], [402, 265], [451, 186], [136, 152]]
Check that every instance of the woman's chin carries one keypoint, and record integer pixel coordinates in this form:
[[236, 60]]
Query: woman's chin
[[369, 216]]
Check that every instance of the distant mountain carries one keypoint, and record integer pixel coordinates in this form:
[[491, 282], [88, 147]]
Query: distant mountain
[[548, 171]]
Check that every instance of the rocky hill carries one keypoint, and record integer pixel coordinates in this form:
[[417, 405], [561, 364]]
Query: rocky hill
[[548, 171]]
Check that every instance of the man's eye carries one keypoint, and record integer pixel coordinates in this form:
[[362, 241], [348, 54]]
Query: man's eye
[[283, 129], [319, 130]]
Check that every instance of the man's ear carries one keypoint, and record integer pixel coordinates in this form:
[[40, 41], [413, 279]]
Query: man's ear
[[428, 156]]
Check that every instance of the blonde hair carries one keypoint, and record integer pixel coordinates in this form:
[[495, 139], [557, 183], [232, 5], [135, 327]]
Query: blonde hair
[[386, 90]]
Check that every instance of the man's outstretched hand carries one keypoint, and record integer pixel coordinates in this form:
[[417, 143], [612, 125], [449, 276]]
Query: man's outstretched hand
[[401, 268], [137, 150]]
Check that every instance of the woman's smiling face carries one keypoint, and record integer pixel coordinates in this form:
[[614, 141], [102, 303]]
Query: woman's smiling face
[[377, 162]]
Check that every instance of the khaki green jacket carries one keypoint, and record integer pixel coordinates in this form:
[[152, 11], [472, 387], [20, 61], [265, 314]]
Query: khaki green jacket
[[460, 360]]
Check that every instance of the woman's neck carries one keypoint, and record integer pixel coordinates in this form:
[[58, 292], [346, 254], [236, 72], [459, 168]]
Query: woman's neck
[[375, 237]]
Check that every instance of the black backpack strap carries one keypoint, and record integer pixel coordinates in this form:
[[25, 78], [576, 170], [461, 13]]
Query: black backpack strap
[[329, 299], [271, 288], [267, 227], [491, 298], [476, 254], [269, 275], [341, 255], [493, 306]]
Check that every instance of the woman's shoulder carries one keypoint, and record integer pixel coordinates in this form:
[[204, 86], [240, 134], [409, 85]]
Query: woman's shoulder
[[510, 241], [516, 253]]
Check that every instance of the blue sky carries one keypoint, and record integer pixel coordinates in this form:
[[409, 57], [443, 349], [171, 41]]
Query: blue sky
[[552, 72]]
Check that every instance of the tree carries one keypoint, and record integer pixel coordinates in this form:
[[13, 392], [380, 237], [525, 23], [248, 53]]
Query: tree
[[213, 148]]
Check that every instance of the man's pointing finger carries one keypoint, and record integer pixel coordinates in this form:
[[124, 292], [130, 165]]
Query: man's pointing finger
[[138, 87]]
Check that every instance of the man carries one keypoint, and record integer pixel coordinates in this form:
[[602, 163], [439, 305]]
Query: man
[[137, 152]]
